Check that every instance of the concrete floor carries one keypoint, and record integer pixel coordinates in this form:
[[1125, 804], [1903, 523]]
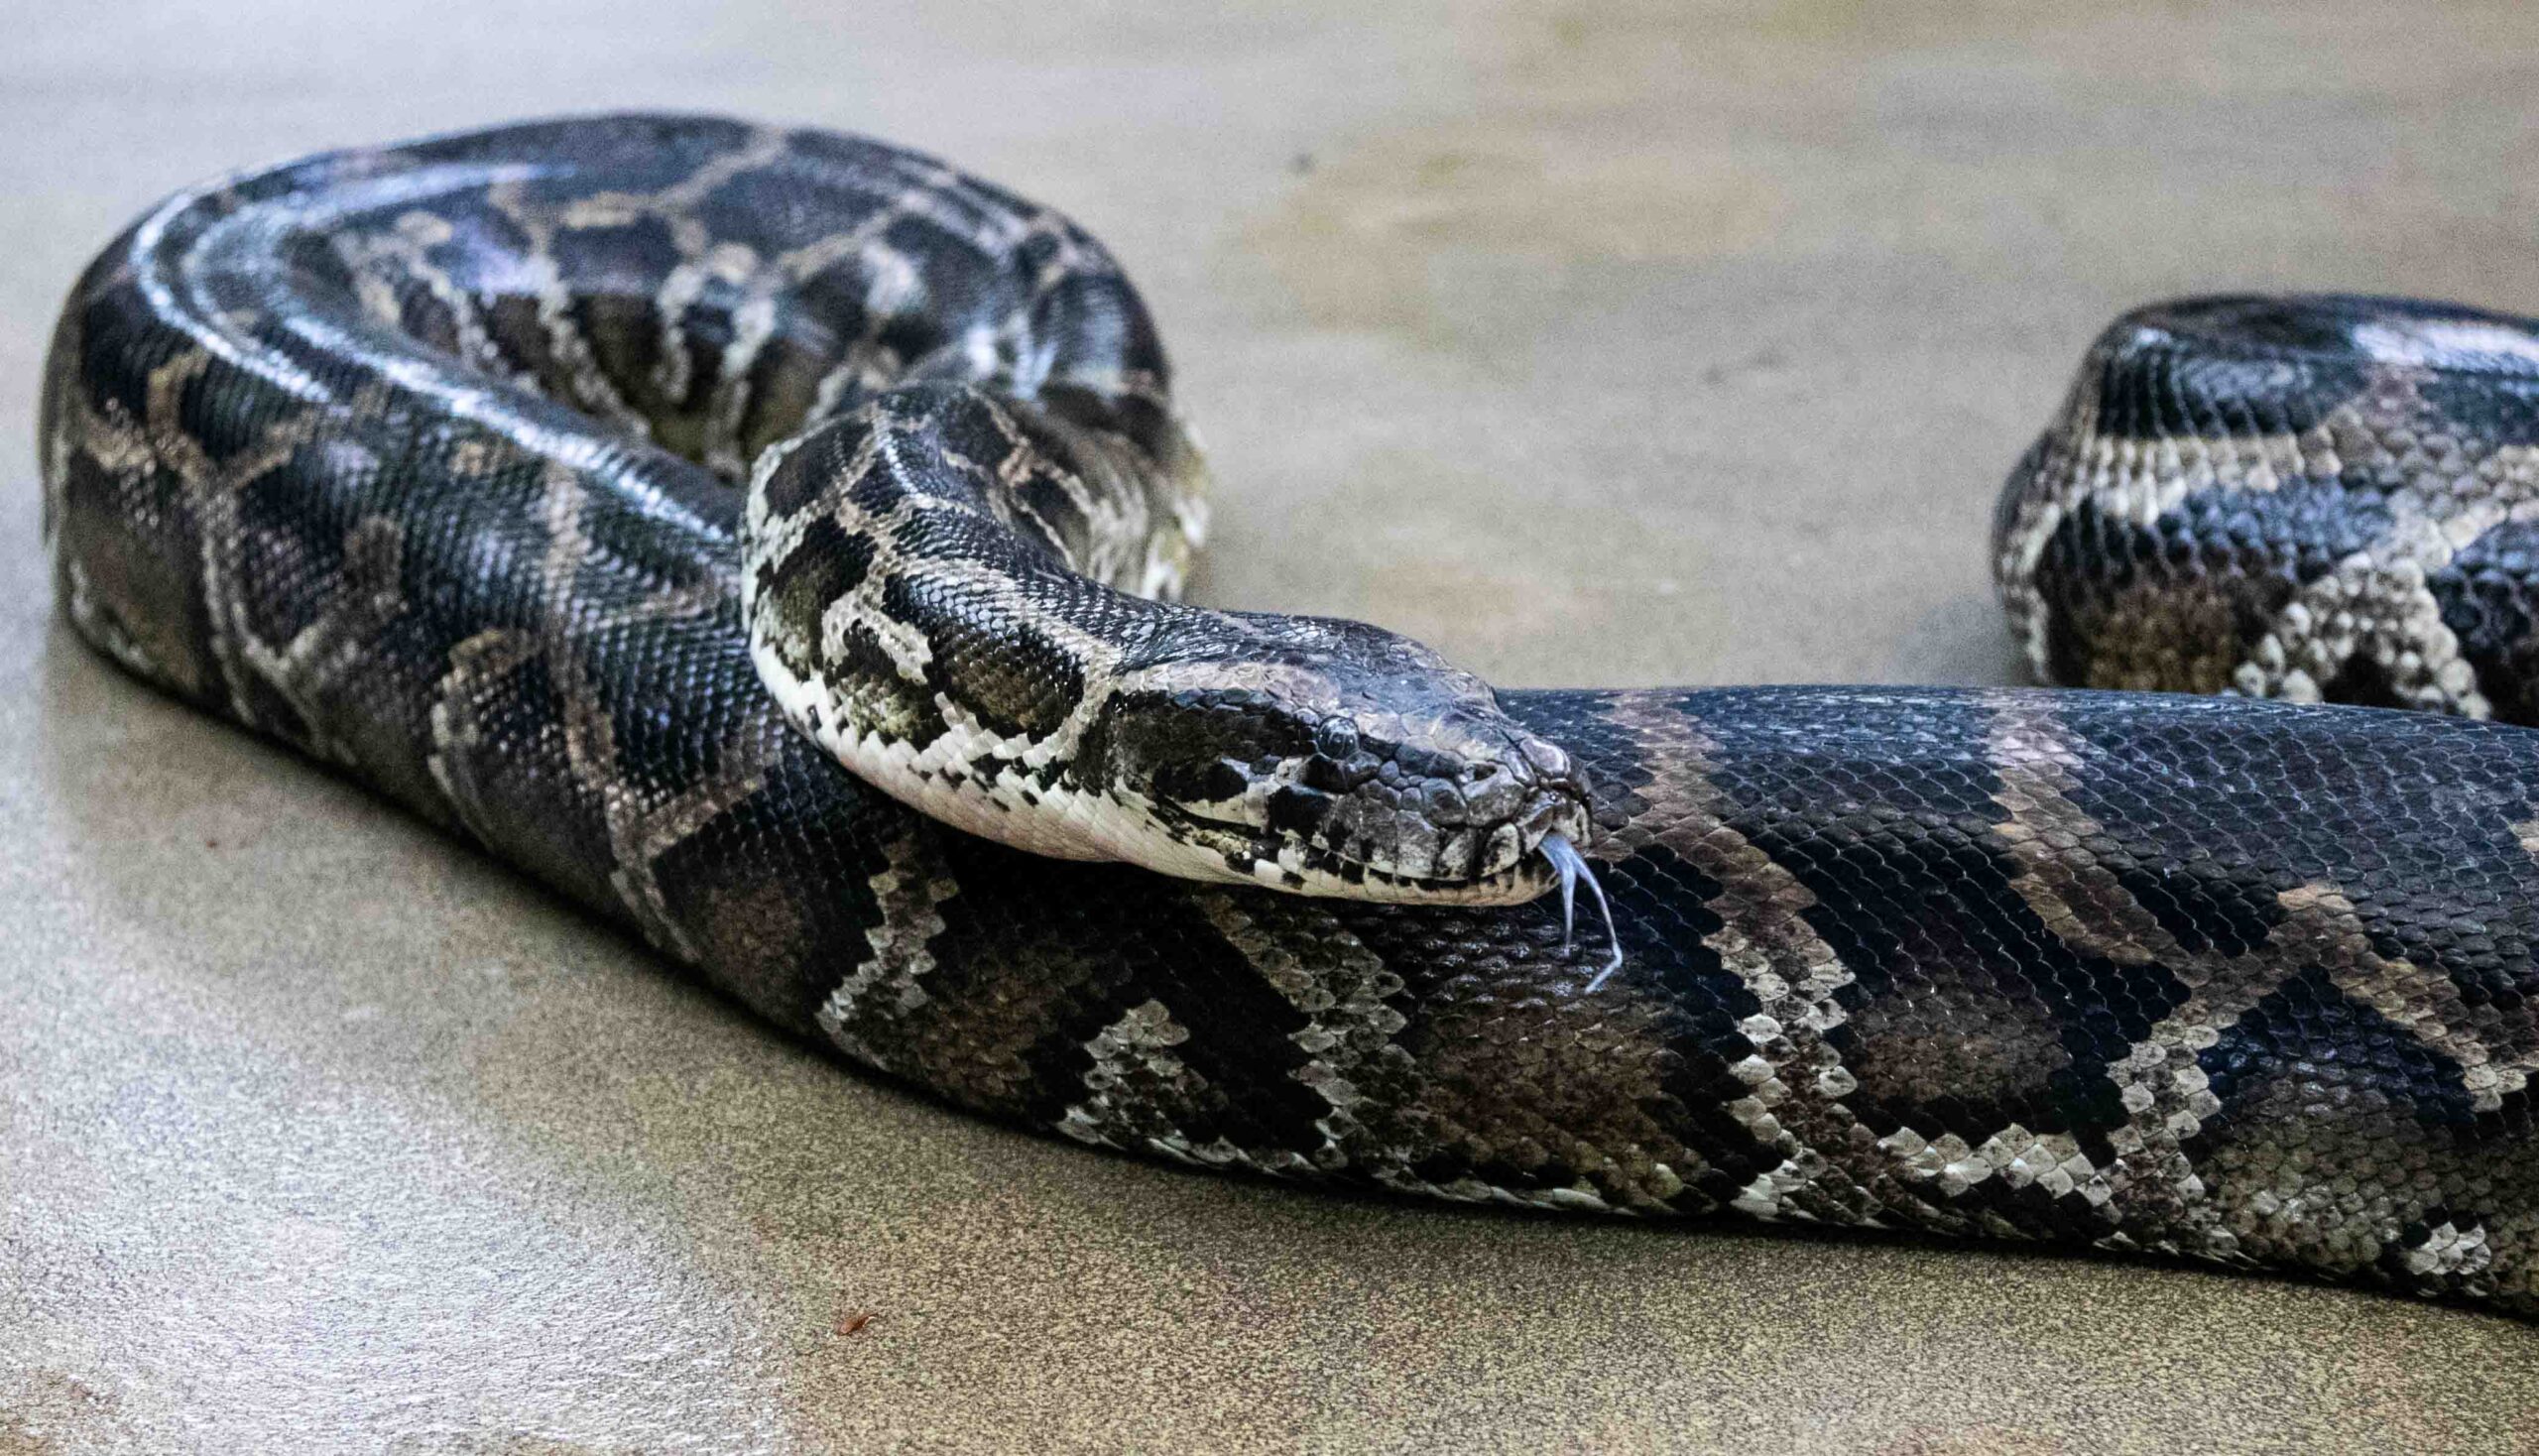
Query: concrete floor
[[1613, 342]]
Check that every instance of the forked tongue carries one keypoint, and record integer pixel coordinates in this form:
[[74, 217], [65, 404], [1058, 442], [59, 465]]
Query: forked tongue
[[1573, 866]]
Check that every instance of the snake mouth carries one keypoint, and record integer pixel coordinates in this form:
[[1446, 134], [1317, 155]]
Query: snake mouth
[[1502, 862]]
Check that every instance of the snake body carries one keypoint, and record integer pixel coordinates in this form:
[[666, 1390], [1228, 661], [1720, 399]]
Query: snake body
[[427, 461]]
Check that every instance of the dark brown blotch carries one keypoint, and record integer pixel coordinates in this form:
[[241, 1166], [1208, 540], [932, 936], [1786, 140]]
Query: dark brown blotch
[[826, 565]]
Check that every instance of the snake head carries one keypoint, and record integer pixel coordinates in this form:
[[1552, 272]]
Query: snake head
[[1324, 757]]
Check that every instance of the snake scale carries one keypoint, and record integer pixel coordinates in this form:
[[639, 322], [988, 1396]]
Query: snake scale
[[435, 462]]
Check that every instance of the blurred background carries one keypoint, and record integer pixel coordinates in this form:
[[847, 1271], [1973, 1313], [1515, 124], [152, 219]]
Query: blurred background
[[1600, 342]]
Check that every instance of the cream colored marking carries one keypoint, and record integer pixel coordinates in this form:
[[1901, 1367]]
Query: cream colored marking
[[2526, 833], [2377, 604], [641, 834], [1345, 991], [967, 775], [106, 431], [990, 230], [407, 246], [322, 654], [497, 410], [944, 777], [120, 447], [753, 324], [673, 202], [639, 831], [458, 734], [2138, 481], [1348, 1032], [674, 372], [1109, 492], [211, 491], [1105, 516], [2163, 1089], [1139, 1093], [591, 389], [761, 282], [2427, 342], [703, 261], [2086, 907], [191, 314], [102, 627], [908, 892], [891, 285], [1796, 1080]]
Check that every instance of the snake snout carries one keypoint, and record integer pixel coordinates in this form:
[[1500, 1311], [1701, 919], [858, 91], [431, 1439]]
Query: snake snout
[[1545, 792], [1561, 810], [1488, 796], [1518, 791]]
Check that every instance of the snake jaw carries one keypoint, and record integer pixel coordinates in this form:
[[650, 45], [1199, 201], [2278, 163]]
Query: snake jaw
[[1447, 817], [1504, 862], [1365, 803]]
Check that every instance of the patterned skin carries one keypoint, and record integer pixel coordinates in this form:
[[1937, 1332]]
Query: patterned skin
[[937, 589], [2299, 498], [419, 460]]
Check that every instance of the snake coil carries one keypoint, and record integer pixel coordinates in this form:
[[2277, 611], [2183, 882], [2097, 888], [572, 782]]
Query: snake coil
[[428, 461]]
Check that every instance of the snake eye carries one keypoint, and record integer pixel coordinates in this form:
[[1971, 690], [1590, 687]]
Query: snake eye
[[1336, 738]]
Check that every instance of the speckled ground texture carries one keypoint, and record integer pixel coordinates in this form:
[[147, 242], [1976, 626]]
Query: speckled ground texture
[[1618, 343]]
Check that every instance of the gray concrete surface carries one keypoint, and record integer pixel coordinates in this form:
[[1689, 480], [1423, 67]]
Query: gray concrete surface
[[1615, 342]]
